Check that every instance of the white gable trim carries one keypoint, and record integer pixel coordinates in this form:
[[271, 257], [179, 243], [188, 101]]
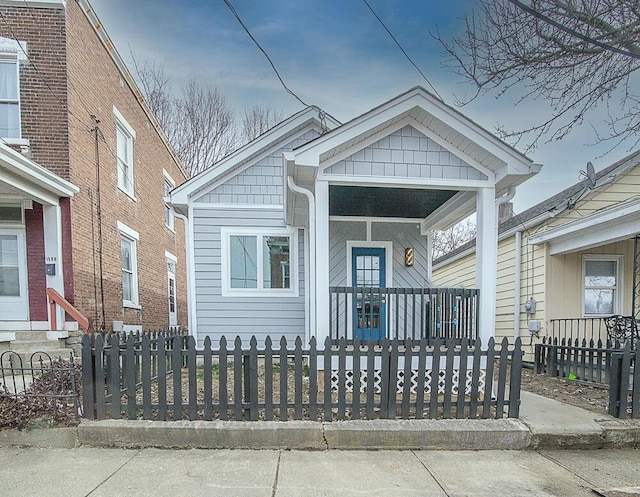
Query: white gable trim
[[418, 97], [195, 184], [617, 223], [223, 178], [407, 121]]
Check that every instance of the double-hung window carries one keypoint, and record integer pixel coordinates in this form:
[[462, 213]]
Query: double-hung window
[[260, 262], [601, 285], [169, 217], [125, 137], [129, 262]]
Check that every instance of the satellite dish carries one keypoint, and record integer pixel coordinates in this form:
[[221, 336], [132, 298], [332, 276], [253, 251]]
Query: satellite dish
[[591, 176]]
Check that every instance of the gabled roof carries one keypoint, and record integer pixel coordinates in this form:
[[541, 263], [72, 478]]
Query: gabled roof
[[553, 205], [245, 154]]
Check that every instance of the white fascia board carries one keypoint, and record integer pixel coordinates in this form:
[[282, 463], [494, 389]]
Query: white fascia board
[[197, 183], [440, 217], [392, 182], [43, 182], [35, 4], [417, 97], [616, 223]]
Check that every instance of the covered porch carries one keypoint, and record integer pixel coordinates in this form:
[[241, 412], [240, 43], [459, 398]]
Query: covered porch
[[34, 212], [370, 193]]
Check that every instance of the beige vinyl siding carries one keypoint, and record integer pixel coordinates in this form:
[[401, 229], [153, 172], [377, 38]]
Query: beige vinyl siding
[[461, 273]]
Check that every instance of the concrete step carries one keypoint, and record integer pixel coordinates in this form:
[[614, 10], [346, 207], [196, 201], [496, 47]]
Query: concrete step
[[30, 335]]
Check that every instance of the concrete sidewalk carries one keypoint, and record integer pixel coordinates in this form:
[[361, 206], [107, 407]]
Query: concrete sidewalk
[[544, 424], [86, 471]]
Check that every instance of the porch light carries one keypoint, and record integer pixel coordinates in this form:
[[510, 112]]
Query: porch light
[[408, 256]]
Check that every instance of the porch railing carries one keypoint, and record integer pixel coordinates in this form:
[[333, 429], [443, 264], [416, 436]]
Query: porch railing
[[572, 329], [54, 299], [403, 313]]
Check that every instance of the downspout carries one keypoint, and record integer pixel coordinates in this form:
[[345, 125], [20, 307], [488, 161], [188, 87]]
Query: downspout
[[517, 286], [191, 321], [312, 251]]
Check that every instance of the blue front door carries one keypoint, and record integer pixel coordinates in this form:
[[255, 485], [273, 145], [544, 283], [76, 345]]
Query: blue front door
[[368, 276]]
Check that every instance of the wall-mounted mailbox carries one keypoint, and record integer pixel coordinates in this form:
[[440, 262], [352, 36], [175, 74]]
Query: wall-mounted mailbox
[[51, 269]]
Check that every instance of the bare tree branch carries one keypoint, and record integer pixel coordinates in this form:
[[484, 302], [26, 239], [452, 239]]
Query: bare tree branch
[[447, 240], [257, 119], [506, 49]]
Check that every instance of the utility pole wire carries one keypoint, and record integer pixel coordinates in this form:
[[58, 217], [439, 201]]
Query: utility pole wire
[[237, 16], [402, 49]]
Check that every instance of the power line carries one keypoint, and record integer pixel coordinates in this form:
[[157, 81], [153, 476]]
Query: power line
[[572, 32], [237, 16], [402, 49]]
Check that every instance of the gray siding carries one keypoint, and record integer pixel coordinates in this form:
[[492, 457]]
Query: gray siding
[[260, 183], [406, 153], [402, 235], [240, 316]]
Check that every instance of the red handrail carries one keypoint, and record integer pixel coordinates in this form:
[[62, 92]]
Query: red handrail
[[55, 298]]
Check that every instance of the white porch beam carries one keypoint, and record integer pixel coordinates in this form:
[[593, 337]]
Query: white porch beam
[[486, 261], [322, 261]]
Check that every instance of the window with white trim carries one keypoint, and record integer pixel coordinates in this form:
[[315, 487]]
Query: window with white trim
[[129, 263], [9, 96], [125, 137], [169, 216], [601, 285], [260, 262]]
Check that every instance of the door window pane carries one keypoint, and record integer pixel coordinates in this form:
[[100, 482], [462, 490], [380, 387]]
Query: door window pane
[[9, 269]]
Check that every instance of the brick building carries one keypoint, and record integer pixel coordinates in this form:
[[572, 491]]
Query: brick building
[[84, 170]]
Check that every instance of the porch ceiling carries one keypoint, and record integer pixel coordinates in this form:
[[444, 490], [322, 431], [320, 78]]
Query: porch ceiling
[[385, 202]]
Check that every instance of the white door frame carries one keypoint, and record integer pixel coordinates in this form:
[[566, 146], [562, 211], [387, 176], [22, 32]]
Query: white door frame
[[17, 308]]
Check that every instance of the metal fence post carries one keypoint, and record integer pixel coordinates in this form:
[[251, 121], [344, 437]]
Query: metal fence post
[[88, 378]]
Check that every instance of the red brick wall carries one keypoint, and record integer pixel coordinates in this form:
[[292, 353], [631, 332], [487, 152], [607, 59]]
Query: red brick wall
[[97, 87], [69, 68], [34, 225]]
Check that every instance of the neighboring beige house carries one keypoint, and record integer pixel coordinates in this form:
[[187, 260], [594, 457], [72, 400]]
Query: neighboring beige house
[[566, 263]]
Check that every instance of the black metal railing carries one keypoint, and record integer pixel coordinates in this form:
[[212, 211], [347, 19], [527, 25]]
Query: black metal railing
[[572, 329], [403, 313]]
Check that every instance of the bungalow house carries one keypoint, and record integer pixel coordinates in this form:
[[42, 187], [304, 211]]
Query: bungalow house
[[319, 229], [567, 263], [84, 169]]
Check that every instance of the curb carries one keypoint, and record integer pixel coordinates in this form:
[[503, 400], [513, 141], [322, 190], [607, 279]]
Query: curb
[[427, 434]]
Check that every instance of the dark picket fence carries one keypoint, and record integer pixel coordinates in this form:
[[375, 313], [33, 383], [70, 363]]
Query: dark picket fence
[[168, 378], [609, 363]]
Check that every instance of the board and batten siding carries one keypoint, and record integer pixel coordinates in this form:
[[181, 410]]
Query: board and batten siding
[[259, 184], [406, 153], [236, 315]]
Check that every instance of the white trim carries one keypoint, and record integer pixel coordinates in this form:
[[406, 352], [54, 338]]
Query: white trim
[[394, 220], [168, 180], [35, 4], [192, 187], [15, 48], [170, 256], [133, 237], [16, 308], [229, 172], [426, 183], [123, 122], [266, 207], [619, 222], [131, 233], [227, 232], [618, 289], [168, 177]]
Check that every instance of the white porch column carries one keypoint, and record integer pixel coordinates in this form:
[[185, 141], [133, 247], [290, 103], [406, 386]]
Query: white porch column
[[322, 261], [486, 261], [53, 253], [429, 238]]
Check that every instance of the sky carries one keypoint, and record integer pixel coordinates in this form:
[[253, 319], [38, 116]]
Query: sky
[[333, 54]]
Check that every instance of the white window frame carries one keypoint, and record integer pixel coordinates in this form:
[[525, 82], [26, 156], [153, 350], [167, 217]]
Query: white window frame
[[169, 215], [133, 237], [227, 233], [125, 176], [13, 52], [618, 289]]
